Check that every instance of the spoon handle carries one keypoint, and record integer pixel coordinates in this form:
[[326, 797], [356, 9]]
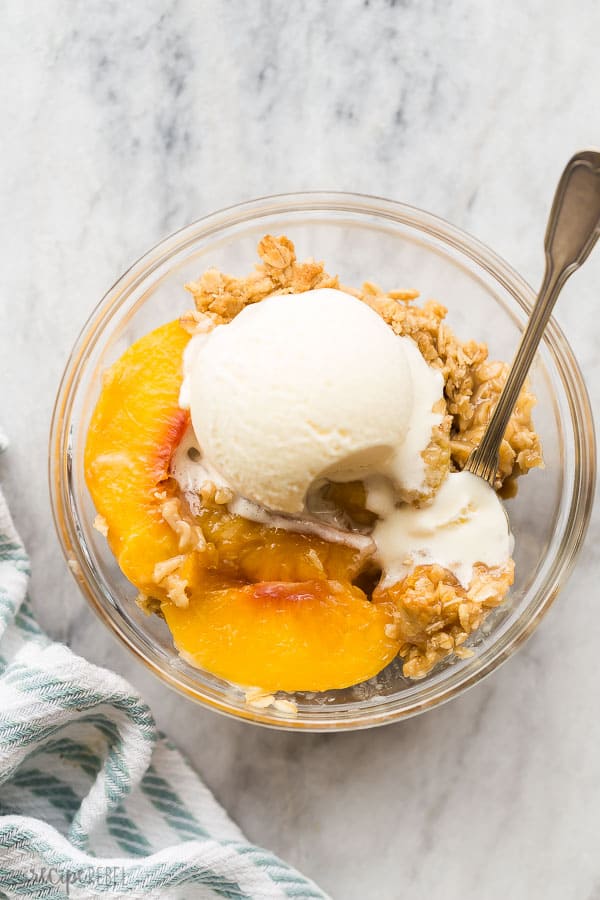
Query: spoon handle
[[573, 229]]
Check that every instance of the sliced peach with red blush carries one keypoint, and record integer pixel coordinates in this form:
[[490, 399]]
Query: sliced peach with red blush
[[306, 636], [134, 430]]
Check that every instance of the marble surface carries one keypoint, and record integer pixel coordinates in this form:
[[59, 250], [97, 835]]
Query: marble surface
[[124, 121]]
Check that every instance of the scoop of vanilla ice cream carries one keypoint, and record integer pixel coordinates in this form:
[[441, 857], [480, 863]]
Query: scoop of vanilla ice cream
[[296, 387]]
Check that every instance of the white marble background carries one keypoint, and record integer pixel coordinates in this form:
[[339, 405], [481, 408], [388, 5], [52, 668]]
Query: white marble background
[[123, 121]]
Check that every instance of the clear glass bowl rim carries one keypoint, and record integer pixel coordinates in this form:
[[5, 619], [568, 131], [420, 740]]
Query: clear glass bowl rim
[[581, 500]]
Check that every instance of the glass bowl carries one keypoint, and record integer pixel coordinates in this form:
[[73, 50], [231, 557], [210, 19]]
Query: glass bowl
[[360, 238]]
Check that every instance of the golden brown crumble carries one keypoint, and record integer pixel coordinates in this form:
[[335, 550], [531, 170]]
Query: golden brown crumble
[[221, 297], [435, 614], [167, 575], [167, 567], [171, 574], [260, 699], [437, 454], [195, 322], [472, 382], [101, 525], [189, 533], [213, 494]]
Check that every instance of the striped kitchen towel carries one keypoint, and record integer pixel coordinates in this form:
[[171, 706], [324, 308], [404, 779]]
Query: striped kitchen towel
[[94, 801]]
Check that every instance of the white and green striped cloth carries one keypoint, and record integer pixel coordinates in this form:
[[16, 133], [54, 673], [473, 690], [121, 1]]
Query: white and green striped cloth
[[94, 801]]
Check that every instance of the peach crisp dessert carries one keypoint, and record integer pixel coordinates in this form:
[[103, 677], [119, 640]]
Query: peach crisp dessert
[[279, 475]]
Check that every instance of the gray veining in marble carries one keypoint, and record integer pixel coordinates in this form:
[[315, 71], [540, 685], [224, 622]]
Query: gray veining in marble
[[124, 121]]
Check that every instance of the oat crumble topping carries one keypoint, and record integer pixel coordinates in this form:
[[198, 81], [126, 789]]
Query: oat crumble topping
[[101, 525], [435, 614]]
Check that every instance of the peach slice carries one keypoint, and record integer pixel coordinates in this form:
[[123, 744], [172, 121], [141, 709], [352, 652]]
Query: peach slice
[[302, 636], [251, 552], [135, 427]]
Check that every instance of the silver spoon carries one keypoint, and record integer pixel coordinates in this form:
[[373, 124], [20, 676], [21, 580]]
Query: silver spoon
[[573, 229]]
